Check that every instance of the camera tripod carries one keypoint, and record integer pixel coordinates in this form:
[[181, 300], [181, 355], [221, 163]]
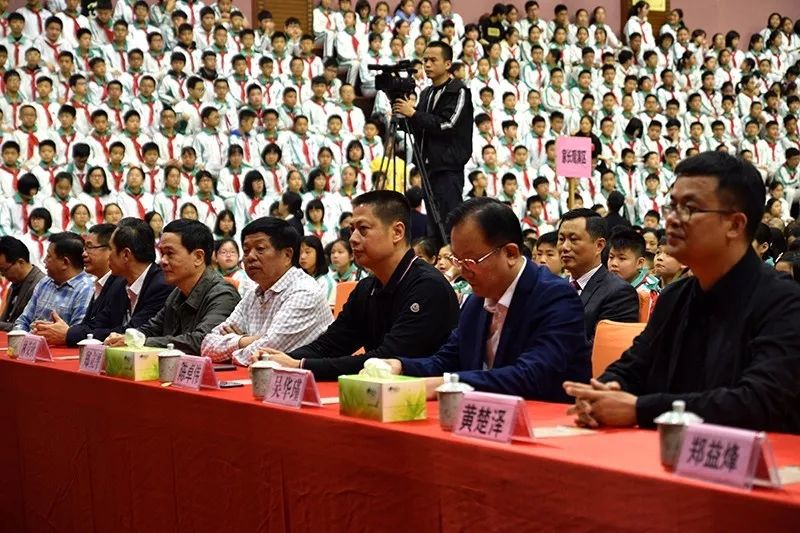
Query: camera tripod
[[416, 157]]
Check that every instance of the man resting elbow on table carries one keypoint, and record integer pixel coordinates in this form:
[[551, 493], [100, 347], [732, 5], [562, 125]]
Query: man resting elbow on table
[[522, 330], [288, 308], [406, 307]]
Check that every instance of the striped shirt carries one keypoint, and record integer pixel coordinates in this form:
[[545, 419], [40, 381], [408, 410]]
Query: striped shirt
[[291, 313], [70, 300]]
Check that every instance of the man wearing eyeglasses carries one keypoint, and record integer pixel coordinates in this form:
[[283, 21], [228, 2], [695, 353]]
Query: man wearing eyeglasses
[[522, 330], [107, 307], [724, 341]]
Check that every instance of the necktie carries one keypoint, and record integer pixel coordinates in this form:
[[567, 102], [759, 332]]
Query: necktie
[[152, 114], [24, 220], [253, 205], [349, 120], [64, 215], [132, 297], [174, 207], [139, 206], [275, 181], [237, 184], [98, 210], [117, 176], [170, 148], [306, 152], [575, 285], [246, 147], [152, 174], [33, 142], [40, 244], [211, 210], [67, 142], [495, 330]]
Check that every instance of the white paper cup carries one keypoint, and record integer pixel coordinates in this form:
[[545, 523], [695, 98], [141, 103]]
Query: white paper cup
[[259, 373], [167, 366], [13, 344], [448, 408]]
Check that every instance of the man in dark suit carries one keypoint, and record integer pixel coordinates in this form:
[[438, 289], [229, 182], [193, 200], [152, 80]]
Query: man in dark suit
[[724, 340], [16, 267], [523, 327], [581, 240], [132, 258], [107, 307]]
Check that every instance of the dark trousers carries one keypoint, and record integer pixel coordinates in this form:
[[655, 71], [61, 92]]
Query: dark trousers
[[448, 188]]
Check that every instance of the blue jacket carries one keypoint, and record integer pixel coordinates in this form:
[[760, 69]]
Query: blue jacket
[[541, 346]]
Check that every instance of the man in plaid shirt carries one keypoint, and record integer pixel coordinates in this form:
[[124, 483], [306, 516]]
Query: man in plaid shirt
[[288, 308], [66, 291]]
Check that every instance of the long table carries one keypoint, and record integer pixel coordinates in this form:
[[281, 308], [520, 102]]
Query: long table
[[90, 453]]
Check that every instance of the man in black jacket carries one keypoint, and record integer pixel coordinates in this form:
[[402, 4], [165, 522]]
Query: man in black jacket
[[582, 238], [725, 340], [406, 308], [442, 128]]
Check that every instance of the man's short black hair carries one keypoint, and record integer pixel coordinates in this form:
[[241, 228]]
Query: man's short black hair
[[596, 225], [136, 235], [627, 239], [739, 186], [447, 50], [14, 249], [194, 236], [280, 233], [68, 245], [103, 232], [499, 224], [389, 207]]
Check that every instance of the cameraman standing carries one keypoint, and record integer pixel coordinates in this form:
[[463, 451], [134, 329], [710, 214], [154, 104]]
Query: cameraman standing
[[442, 128]]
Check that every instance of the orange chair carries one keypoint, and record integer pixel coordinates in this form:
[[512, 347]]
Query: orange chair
[[644, 305], [610, 341], [343, 291]]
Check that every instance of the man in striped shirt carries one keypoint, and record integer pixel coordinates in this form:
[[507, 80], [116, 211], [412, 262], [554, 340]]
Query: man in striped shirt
[[66, 291], [287, 310]]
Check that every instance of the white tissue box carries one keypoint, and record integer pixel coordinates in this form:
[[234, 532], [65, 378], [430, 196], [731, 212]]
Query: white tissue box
[[392, 399], [138, 364]]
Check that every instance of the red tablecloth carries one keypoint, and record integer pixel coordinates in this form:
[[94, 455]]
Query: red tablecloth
[[87, 453]]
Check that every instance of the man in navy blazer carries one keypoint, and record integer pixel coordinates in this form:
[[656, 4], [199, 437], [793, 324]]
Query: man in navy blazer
[[133, 258], [522, 329], [107, 307]]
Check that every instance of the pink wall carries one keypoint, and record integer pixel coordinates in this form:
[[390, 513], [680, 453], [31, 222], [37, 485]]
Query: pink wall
[[745, 16]]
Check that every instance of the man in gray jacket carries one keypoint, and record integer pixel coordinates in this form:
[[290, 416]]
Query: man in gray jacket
[[201, 300], [15, 266]]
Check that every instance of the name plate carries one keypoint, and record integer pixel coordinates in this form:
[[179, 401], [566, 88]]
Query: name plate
[[195, 372], [34, 348], [730, 456], [496, 417], [94, 356], [292, 388]]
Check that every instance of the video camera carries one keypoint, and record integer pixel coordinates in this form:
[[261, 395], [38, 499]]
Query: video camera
[[391, 82]]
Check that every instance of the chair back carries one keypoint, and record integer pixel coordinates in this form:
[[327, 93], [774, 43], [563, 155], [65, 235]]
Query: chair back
[[343, 291], [610, 340], [644, 305]]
